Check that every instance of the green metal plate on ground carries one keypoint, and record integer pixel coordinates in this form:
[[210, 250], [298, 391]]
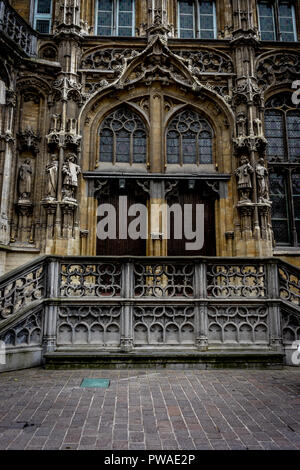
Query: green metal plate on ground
[[99, 383]]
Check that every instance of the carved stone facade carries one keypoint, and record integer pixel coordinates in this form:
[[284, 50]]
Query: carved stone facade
[[61, 88]]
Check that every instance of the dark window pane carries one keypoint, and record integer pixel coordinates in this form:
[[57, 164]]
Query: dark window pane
[[293, 129], [125, 19], [274, 126], [186, 19], [125, 5], [286, 22], [207, 34], [173, 147], [105, 5], [104, 31], [123, 146], [296, 201], [266, 21], [206, 22], [43, 26], [44, 6], [139, 147], [106, 146], [288, 37], [278, 196], [105, 17], [206, 8], [189, 148], [281, 232], [186, 7], [265, 36]]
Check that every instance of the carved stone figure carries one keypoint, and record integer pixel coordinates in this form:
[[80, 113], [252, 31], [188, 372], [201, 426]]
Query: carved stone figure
[[243, 174], [52, 174], [70, 177], [262, 181], [25, 181], [241, 124]]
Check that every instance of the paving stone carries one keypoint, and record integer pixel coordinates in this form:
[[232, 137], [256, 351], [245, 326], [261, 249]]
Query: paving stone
[[173, 409]]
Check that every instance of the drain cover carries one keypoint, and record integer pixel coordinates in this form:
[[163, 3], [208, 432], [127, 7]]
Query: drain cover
[[99, 383]]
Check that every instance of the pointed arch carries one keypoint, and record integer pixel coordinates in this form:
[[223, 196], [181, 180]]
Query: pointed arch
[[123, 137], [189, 138]]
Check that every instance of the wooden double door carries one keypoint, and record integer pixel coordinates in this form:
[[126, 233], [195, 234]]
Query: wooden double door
[[118, 246]]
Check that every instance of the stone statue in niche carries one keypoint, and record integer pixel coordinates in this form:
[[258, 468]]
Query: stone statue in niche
[[262, 181], [243, 174], [52, 174], [241, 124], [70, 172], [24, 181]]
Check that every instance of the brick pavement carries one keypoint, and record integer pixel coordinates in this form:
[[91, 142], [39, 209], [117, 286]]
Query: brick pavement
[[151, 409]]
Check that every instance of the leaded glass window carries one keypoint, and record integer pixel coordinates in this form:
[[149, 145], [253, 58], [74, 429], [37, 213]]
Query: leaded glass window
[[197, 19], [43, 16], [277, 20], [115, 18], [189, 139], [282, 128], [123, 138]]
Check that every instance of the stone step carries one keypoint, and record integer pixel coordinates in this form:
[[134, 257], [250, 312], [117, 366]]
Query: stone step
[[77, 359]]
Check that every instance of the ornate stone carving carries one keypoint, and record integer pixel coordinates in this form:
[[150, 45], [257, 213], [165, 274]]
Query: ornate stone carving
[[101, 188], [278, 68], [89, 325], [21, 290], [108, 60], [247, 91], [236, 280], [29, 140], [164, 325], [70, 178], [290, 327], [90, 280], [11, 98], [289, 284], [237, 325], [244, 179], [163, 280], [17, 30], [204, 62], [26, 333], [65, 89]]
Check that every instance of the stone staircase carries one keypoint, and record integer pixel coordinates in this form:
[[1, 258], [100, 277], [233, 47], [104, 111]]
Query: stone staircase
[[136, 312]]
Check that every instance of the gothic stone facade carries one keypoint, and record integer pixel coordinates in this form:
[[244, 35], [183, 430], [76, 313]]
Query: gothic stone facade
[[67, 96]]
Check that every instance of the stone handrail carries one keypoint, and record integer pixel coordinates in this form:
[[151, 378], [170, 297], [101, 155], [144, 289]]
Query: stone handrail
[[14, 27], [130, 302]]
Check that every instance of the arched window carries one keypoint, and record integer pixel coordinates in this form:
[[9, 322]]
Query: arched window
[[189, 139], [197, 19], [282, 126], [123, 138]]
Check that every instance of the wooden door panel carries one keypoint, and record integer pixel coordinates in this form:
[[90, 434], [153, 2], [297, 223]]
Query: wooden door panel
[[178, 247]]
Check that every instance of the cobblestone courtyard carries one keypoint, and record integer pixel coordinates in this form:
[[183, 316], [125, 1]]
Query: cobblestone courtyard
[[151, 409]]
